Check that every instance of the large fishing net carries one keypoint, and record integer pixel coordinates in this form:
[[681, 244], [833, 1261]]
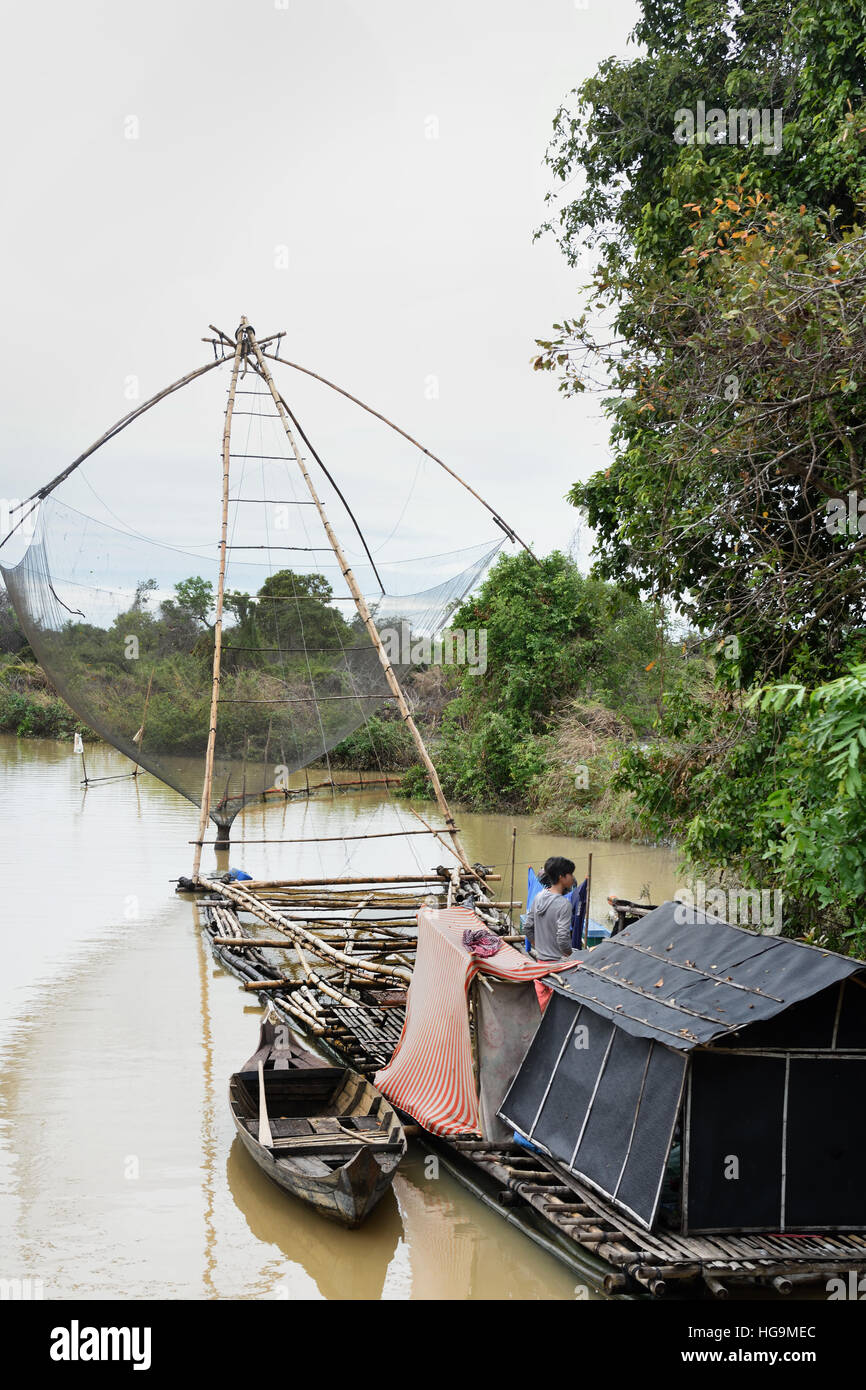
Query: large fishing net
[[123, 624]]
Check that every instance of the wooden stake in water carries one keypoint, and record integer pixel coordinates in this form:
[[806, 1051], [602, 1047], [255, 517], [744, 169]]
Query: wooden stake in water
[[588, 900], [513, 857], [139, 737], [78, 747]]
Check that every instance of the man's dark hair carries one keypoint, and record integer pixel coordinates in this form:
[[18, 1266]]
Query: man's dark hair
[[556, 868]]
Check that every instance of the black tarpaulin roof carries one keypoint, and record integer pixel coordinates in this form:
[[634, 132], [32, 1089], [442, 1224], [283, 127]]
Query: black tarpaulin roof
[[684, 978]]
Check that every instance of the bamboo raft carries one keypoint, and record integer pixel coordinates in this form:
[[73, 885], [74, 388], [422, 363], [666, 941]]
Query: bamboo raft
[[355, 1014], [361, 1028], [658, 1262], [351, 944]]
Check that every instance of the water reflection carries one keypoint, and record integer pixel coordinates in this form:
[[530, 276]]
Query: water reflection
[[341, 1263], [451, 1254], [120, 1174], [208, 1121]]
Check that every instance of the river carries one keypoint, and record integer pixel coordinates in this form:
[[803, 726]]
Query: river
[[120, 1172]]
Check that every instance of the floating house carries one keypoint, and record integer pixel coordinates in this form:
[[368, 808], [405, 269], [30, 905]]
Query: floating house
[[704, 1078]]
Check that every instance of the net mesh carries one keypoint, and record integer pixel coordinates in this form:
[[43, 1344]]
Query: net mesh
[[120, 626], [122, 623]]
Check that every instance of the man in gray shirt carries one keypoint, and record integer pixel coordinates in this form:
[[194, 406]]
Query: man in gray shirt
[[548, 922]]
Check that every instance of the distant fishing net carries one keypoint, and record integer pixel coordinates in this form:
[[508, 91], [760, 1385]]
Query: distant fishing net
[[123, 627]]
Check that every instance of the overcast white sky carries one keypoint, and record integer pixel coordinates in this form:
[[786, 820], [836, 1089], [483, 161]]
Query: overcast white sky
[[306, 127]]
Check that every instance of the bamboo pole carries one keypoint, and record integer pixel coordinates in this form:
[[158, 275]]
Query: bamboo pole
[[240, 348], [339, 904], [333, 930], [292, 1006], [269, 883], [365, 616], [452, 887], [429, 829], [119, 425], [374, 950], [319, 909], [324, 985], [320, 839], [396, 899], [316, 946], [139, 740]]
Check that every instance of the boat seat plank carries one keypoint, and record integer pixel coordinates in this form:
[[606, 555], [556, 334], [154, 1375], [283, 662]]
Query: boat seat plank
[[302, 1079], [283, 1128], [321, 1133], [343, 1144]]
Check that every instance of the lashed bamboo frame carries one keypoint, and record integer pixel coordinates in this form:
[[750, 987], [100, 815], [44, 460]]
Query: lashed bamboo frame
[[245, 346], [363, 612]]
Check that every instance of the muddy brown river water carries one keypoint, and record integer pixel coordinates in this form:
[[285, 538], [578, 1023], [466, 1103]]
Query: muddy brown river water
[[120, 1172]]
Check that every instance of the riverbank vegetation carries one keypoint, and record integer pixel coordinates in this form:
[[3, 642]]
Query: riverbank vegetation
[[730, 277], [29, 706], [576, 672], [148, 673]]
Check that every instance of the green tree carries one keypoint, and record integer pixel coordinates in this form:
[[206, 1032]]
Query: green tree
[[551, 634], [732, 278], [296, 611], [192, 604], [814, 819], [729, 281], [143, 589], [613, 138], [195, 596], [738, 431]]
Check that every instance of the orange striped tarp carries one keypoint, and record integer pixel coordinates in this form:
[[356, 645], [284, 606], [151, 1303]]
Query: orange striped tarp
[[430, 1075]]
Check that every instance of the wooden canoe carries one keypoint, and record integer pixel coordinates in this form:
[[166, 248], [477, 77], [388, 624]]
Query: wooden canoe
[[330, 1138]]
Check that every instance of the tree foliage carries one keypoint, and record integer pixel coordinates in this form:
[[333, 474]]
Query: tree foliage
[[613, 138], [815, 818], [275, 643], [551, 634], [733, 282], [738, 428], [725, 323]]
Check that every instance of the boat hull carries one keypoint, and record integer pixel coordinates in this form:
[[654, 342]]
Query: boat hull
[[347, 1195], [334, 1141]]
